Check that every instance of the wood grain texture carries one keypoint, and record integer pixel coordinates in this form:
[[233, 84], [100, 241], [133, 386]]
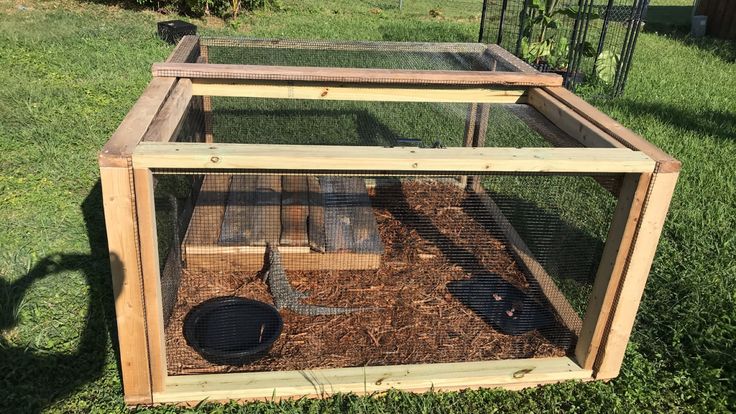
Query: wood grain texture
[[239, 221], [118, 202], [353, 45], [368, 380], [316, 215], [644, 247], [207, 258], [611, 267], [666, 163], [355, 92], [354, 75], [146, 213], [294, 210], [321, 157], [166, 125]]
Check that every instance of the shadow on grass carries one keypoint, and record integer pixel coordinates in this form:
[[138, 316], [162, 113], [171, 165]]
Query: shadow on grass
[[720, 124], [31, 380], [674, 22]]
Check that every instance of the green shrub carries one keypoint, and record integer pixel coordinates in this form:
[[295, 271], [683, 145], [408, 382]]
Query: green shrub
[[220, 8]]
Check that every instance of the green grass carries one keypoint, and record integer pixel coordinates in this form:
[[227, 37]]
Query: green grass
[[71, 71]]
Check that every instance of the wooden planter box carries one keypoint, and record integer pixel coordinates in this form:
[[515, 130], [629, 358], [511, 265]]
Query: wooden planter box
[[583, 140]]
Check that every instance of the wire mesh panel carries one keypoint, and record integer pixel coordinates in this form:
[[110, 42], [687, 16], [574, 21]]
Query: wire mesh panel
[[375, 269]]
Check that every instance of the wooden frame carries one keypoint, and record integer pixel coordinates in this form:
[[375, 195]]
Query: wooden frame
[[591, 143]]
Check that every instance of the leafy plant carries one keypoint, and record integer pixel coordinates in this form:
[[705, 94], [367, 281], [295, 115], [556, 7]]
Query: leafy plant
[[606, 65], [549, 46]]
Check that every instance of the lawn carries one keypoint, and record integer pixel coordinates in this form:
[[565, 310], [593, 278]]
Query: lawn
[[70, 71]]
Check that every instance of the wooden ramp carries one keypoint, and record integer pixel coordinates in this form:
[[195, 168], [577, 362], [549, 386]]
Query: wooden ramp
[[318, 223]]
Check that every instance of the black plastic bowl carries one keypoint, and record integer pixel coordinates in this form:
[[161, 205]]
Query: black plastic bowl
[[231, 330]]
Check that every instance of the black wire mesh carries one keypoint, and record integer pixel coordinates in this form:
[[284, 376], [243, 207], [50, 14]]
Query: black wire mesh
[[383, 269], [600, 37]]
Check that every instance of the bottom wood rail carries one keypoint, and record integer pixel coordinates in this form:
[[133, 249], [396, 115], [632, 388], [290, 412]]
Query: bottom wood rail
[[514, 374]]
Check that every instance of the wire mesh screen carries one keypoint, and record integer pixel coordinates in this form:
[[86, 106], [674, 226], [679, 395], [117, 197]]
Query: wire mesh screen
[[587, 41], [374, 269]]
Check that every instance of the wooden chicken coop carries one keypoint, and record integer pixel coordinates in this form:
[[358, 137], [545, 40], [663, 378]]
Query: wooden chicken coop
[[302, 218]]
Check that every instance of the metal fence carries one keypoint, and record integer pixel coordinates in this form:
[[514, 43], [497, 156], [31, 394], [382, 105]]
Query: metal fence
[[586, 41]]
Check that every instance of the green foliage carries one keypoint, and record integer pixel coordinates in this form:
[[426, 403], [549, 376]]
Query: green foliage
[[606, 66], [220, 8]]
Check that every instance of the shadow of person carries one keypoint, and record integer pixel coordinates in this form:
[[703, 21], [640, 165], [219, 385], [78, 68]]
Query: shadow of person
[[30, 380]]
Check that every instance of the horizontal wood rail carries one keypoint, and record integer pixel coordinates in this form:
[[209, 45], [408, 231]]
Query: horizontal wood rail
[[356, 92], [380, 159], [355, 75], [515, 373], [366, 46]]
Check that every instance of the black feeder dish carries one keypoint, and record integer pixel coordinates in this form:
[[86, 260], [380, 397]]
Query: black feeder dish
[[232, 331], [172, 31], [506, 308]]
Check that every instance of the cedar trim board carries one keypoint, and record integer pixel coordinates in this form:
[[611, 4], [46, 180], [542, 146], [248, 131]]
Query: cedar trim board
[[380, 159], [630, 139], [355, 91], [367, 380], [353, 75]]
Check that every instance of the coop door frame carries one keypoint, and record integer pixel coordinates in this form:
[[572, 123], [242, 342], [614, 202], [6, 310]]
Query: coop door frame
[[144, 142]]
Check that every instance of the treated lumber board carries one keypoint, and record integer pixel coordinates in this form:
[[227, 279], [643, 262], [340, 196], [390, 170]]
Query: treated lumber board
[[343, 45], [149, 256], [117, 150], [267, 210], [568, 120], [644, 246], [217, 257], [539, 279], [321, 157], [239, 222], [187, 50], [120, 222], [355, 92], [209, 210], [349, 221], [166, 125], [371, 379], [353, 75], [206, 102], [666, 163], [611, 267], [316, 220], [294, 210]]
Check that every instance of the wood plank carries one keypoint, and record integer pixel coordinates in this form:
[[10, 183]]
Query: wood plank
[[206, 102], [353, 75], [187, 50], [338, 215], [362, 226], [321, 157], [666, 163], [357, 45], [646, 239], [146, 212], [575, 125], [509, 60], [539, 280], [120, 146], [118, 201], [204, 227], [611, 267], [316, 215], [231, 258], [267, 210], [368, 380], [355, 92], [167, 124], [239, 221], [294, 210]]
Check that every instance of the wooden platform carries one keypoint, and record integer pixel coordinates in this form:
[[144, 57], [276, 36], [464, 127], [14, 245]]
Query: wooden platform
[[318, 223]]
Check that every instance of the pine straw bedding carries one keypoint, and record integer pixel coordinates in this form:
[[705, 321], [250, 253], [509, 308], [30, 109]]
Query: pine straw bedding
[[433, 233]]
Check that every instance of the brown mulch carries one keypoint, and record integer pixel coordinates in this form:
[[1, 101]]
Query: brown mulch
[[433, 233]]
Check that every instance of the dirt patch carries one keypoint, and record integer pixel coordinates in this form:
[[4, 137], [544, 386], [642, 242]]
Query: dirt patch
[[433, 233]]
